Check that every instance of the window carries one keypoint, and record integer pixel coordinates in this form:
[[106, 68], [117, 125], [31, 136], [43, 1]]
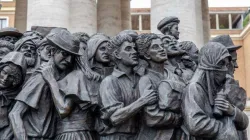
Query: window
[[237, 21], [223, 21], [213, 21], [135, 22], [6, 0], [145, 22], [3, 23]]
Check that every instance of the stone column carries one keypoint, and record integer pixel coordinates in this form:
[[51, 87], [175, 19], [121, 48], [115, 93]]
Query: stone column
[[188, 13], [109, 17], [21, 15], [125, 14], [50, 13], [83, 16], [206, 20]]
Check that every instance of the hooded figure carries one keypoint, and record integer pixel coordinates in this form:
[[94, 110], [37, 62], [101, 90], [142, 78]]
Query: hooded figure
[[100, 66], [200, 99], [12, 65]]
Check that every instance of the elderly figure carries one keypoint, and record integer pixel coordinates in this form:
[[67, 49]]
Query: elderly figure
[[169, 26], [208, 115], [160, 120], [28, 45], [121, 101], [34, 115], [10, 34], [12, 75], [5, 48]]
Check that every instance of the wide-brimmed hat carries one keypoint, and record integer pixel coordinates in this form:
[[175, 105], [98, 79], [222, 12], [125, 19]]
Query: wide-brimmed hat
[[167, 20], [10, 31], [226, 41], [64, 40]]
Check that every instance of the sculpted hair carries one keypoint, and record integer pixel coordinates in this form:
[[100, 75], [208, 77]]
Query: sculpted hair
[[144, 41], [82, 36], [187, 45], [116, 42]]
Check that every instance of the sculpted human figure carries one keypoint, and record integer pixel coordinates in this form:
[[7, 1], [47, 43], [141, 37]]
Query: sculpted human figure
[[206, 110], [12, 75], [190, 58], [175, 63], [169, 26], [10, 34], [121, 101], [44, 51], [161, 119], [34, 114], [237, 95], [5, 48], [83, 37], [33, 33], [28, 45]]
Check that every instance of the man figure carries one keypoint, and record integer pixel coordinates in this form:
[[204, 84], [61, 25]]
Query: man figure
[[12, 75], [160, 120], [43, 51], [121, 101], [28, 45], [10, 34], [169, 26], [33, 116], [5, 48]]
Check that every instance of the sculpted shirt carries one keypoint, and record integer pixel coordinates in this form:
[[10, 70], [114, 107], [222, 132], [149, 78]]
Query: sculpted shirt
[[118, 91], [39, 120]]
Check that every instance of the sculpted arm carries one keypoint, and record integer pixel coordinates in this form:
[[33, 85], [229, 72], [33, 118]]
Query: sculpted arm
[[114, 110], [15, 117], [153, 115]]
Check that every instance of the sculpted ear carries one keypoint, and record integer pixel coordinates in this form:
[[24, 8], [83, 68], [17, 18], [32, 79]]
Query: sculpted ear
[[116, 55]]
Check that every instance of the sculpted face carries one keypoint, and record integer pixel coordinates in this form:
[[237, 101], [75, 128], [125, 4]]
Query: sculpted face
[[44, 53], [101, 54], [11, 39], [220, 76], [29, 50], [128, 54], [63, 59], [4, 51], [175, 31], [156, 52], [7, 76]]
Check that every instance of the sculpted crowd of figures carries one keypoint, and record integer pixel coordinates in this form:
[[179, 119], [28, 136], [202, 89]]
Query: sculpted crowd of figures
[[63, 86]]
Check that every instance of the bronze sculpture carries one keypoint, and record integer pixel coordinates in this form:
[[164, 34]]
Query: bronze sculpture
[[12, 75], [202, 97], [56, 85], [30, 117], [161, 119]]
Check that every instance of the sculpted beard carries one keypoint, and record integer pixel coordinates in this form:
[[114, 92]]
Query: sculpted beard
[[31, 61]]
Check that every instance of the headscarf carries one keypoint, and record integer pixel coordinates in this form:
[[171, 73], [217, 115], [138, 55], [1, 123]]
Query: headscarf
[[33, 39], [209, 57], [93, 44]]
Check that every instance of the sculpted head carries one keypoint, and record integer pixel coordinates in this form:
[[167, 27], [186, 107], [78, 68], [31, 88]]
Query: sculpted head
[[123, 50], [28, 46], [151, 48], [169, 26], [44, 50], [83, 37], [64, 49], [5, 48]]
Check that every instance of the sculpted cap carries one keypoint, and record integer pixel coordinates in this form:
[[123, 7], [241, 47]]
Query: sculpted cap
[[10, 31], [166, 21], [64, 40], [226, 41]]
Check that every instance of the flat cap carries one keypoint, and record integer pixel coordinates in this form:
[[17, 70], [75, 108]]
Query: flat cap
[[167, 20]]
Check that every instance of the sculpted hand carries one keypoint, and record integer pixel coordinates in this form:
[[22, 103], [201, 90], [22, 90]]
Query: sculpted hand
[[224, 106], [150, 98], [47, 72]]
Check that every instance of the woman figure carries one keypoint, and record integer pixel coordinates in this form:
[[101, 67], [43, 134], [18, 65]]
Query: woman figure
[[201, 102], [12, 76]]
